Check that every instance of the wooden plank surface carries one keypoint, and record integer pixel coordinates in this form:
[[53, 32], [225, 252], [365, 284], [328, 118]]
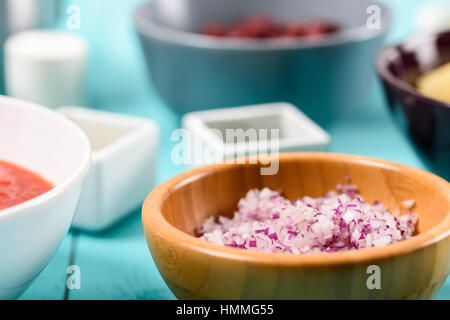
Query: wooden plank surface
[[116, 264], [51, 283]]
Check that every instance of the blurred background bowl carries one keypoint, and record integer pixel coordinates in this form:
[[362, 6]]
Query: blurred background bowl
[[55, 148], [425, 120], [192, 71]]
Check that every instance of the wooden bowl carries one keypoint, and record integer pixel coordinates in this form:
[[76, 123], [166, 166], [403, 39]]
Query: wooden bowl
[[195, 269]]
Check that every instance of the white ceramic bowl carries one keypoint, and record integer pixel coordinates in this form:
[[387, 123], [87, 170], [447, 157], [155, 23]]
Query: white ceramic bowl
[[296, 132], [52, 146], [116, 183]]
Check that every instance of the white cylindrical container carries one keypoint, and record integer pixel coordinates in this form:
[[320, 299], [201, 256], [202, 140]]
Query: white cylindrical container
[[46, 67]]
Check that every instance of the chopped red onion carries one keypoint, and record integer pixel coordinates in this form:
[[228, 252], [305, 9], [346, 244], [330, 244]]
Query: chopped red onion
[[341, 220], [408, 204]]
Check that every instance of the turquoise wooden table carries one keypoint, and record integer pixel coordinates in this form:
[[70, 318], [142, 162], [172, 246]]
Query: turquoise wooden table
[[116, 264]]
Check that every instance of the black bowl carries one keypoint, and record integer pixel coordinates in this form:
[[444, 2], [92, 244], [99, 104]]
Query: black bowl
[[426, 120]]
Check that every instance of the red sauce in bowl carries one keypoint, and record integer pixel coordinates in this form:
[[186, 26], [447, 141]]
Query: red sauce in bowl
[[18, 185]]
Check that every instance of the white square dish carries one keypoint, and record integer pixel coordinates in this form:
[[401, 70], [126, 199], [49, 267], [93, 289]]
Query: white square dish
[[296, 132], [123, 165]]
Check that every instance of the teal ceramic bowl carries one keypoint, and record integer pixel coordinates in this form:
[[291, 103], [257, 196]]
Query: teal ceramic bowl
[[191, 71]]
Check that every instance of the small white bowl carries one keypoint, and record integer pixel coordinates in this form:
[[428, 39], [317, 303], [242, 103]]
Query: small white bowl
[[46, 143], [123, 166], [296, 131]]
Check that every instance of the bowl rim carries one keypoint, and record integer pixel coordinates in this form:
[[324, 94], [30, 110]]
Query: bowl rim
[[60, 189], [153, 221], [197, 40], [383, 59]]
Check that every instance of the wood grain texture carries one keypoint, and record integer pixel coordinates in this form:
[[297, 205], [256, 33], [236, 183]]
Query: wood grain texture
[[195, 269]]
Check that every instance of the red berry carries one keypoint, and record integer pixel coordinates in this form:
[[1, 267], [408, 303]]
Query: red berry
[[295, 30], [319, 28], [215, 29]]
